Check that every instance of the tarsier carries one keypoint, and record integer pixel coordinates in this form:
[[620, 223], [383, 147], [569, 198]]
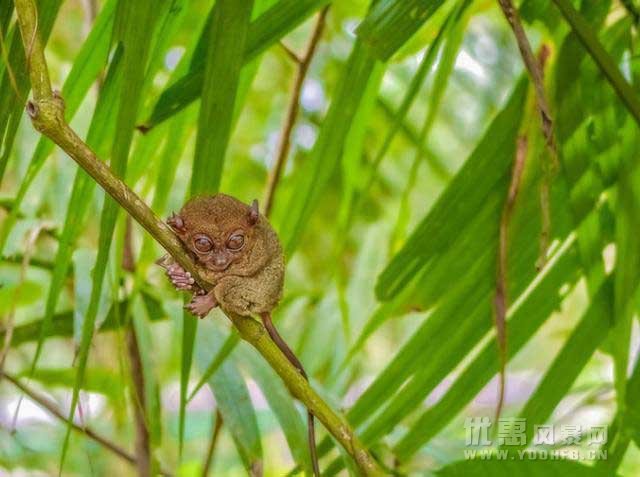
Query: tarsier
[[239, 254]]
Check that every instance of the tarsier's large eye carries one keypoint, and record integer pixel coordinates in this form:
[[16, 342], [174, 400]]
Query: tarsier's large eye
[[236, 241], [202, 243]]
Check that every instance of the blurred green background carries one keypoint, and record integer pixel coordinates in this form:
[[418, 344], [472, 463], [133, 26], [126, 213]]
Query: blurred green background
[[391, 249]]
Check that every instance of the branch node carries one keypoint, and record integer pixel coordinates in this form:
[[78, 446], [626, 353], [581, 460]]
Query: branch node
[[47, 114], [32, 109]]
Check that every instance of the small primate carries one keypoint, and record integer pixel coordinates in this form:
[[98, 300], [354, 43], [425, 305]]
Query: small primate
[[239, 254]]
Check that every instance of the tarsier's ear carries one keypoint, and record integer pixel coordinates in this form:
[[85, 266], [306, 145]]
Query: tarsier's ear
[[177, 223], [254, 213]]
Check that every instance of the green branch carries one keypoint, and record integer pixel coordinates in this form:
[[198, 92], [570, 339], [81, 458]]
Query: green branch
[[47, 115]]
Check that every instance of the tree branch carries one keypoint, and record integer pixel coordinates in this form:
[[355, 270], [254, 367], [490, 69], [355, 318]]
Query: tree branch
[[47, 115], [292, 109]]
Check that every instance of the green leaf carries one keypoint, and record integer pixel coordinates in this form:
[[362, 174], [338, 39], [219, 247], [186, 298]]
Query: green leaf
[[316, 172], [508, 468], [152, 404], [623, 428], [465, 182], [225, 350], [440, 82], [263, 32], [598, 138], [459, 203], [534, 308], [445, 66], [87, 65], [282, 405], [459, 278], [189, 328], [226, 40], [137, 21], [390, 23], [18, 295], [589, 39], [80, 200], [62, 323], [415, 85], [12, 102], [586, 125], [572, 358], [232, 399], [627, 272]]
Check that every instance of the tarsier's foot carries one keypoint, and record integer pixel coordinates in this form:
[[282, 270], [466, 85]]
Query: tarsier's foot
[[201, 304]]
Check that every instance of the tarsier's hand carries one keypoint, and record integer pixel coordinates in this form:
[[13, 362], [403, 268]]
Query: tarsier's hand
[[202, 302], [179, 277]]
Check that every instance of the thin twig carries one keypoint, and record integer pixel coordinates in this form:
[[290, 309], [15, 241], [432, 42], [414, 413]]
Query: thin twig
[[46, 111], [136, 369], [534, 68], [49, 406], [212, 443], [293, 56], [128, 261], [501, 296], [292, 111], [535, 72], [143, 448]]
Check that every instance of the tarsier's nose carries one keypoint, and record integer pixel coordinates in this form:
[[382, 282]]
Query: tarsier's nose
[[220, 262]]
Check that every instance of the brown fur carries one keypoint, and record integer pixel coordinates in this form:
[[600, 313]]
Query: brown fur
[[252, 283], [247, 281]]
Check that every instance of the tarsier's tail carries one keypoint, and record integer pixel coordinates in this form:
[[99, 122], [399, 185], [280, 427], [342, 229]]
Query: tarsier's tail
[[293, 359]]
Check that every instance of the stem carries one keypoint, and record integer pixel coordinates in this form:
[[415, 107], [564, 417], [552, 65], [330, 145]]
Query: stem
[[501, 296], [212, 444], [143, 448], [47, 115], [535, 73], [292, 109]]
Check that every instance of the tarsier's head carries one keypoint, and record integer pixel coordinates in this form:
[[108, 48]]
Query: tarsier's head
[[219, 229]]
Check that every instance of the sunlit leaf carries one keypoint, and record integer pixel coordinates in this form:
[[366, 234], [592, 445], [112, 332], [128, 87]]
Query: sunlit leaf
[[264, 31], [390, 23]]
